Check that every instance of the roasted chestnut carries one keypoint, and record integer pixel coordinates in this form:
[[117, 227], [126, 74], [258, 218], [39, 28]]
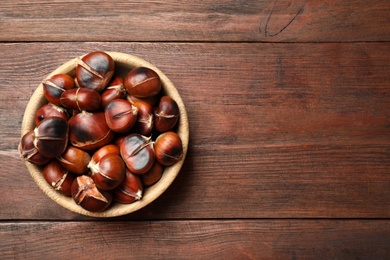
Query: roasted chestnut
[[89, 131], [94, 70], [114, 90], [120, 115], [58, 177], [145, 118], [108, 172], [142, 82], [51, 136], [50, 110], [129, 190], [137, 152], [167, 114], [153, 175], [55, 86], [87, 195], [168, 148], [75, 160], [29, 152], [81, 99]]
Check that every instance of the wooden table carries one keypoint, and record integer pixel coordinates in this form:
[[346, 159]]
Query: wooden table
[[289, 111]]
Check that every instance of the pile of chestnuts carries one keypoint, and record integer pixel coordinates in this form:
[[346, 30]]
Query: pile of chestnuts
[[101, 138]]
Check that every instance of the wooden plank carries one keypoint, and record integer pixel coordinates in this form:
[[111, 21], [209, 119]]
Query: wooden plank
[[266, 21], [250, 239], [276, 130]]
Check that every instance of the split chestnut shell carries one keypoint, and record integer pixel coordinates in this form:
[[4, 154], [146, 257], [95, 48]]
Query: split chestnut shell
[[51, 136]]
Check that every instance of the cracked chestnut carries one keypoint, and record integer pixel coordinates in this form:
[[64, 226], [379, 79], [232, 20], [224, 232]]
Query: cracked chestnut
[[51, 136], [94, 70], [142, 82], [81, 99], [129, 190], [55, 86], [108, 172], [29, 152], [75, 160], [145, 118], [50, 110], [166, 114], [137, 153], [88, 196], [89, 131], [114, 90], [58, 177], [120, 115]]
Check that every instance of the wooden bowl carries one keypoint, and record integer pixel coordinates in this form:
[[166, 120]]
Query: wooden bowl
[[123, 64]]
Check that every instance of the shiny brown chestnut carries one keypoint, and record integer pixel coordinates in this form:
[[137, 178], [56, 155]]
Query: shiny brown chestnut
[[145, 118], [120, 115], [50, 110], [142, 82], [137, 153], [108, 172], [114, 90], [153, 175], [88, 196], [129, 190], [166, 114], [89, 131], [81, 99], [94, 70], [168, 148], [51, 136], [55, 86], [29, 152], [75, 160], [58, 177]]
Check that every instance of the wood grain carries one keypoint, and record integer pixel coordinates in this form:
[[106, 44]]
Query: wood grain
[[249, 239], [276, 130], [222, 20]]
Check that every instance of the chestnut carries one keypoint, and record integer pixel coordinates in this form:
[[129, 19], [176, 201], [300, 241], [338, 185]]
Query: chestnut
[[29, 152], [120, 115], [137, 152], [153, 175], [94, 70], [55, 86], [58, 177], [81, 99], [75, 160], [88, 196], [166, 114], [142, 82], [108, 172], [51, 136], [50, 110], [89, 131], [114, 90], [129, 190], [144, 124], [168, 148]]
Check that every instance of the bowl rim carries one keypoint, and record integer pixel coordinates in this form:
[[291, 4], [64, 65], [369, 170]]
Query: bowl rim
[[151, 193]]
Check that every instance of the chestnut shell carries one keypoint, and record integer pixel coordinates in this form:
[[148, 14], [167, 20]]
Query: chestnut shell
[[51, 136], [95, 70]]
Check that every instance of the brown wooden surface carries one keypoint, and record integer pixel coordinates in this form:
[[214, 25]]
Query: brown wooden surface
[[289, 111]]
